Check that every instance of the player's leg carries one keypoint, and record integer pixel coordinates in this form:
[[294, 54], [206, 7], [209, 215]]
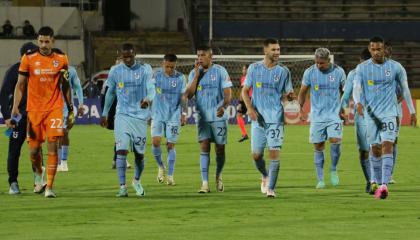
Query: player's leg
[[138, 130], [204, 138], [123, 140], [335, 134], [375, 159], [241, 110], [361, 137], [395, 148], [219, 132], [16, 141], [318, 136], [172, 134], [63, 151], [274, 136], [157, 130], [258, 143]]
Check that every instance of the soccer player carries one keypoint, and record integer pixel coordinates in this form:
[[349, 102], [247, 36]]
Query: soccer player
[[377, 79], [325, 81], [132, 83], [41, 70], [269, 81], [169, 110], [63, 148], [241, 108], [211, 86], [17, 138], [359, 122]]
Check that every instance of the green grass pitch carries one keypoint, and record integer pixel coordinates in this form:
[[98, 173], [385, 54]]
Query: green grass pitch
[[86, 207]]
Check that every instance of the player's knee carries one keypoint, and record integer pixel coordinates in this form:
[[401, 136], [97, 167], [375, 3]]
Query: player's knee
[[257, 156], [335, 140], [364, 154], [274, 154], [376, 150], [156, 142], [170, 146], [122, 152], [220, 149], [138, 156], [205, 146], [319, 146], [387, 147], [34, 152]]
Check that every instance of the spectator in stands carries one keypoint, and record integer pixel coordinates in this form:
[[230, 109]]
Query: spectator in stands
[[7, 28], [27, 29]]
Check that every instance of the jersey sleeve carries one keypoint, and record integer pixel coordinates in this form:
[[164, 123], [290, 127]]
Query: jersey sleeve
[[184, 84], [342, 78], [76, 85], [347, 90], [249, 76], [306, 81], [288, 86], [150, 84], [357, 85], [402, 79], [24, 66], [226, 82], [190, 77]]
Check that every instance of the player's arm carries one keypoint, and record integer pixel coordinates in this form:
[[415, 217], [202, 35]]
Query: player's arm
[[227, 93], [19, 91], [184, 103], [77, 88], [109, 98], [66, 89], [150, 90], [402, 77], [245, 94], [357, 92], [306, 83], [6, 90], [288, 86], [193, 81], [342, 84]]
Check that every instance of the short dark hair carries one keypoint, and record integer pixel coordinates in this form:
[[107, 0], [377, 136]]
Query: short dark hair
[[246, 65], [170, 57], [270, 41], [127, 47], [46, 31], [204, 48], [387, 44], [376, 39], [365, 54]]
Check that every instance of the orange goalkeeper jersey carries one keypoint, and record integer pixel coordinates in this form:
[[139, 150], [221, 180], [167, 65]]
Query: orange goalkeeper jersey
[[43, 72]]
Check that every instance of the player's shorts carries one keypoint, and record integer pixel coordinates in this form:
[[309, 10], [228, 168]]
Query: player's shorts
[[43, 125], [241, 108], [321, 131], [381, 130], [272, 137], [214, 131], [170, 130], [361, 134], [130, 133]]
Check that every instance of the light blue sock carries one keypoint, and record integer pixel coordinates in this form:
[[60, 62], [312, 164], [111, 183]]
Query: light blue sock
[[59, 155], [220, 162], [376, 167], [139, 166], [387, 163], [157, 153], [171, 161], [64, 152], [204, 165], [273, 173], [319, 164], [121, 168], [335, 152], [365, 163], [260, 164], [394, 153]]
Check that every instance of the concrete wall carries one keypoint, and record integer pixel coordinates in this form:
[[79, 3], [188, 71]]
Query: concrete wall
[[152, 14], [65, 21], [9, 50]]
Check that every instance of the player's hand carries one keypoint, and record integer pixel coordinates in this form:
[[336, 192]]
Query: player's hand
[[15, 111], [70, 120], [8, 123], [183, 120], [359, 109], [252, 114], [290, 97], [80, 111], [343, 116], [104, 122], [220, 111], [196, 68], [144, 103], [413, 120]]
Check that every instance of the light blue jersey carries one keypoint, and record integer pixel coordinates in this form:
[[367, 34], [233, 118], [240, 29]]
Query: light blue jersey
[[378, 84], [169, 90], [131, 85], [348, 93], [325, 92], [76, 87], [268, 85], [210, 92]]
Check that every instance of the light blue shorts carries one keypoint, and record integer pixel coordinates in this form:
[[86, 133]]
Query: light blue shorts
[[384, 129], [361, 134], [170, 130], [214, 131], [130, 133], [272, 137], [321, 131]]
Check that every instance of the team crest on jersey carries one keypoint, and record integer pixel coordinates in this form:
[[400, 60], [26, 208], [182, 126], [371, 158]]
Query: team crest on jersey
[[137, 75], [276, 78], [56, 63], [258, 84], [388, 72], [371, 82], [121, 84], [159, 90], [316, 87], [213, 77], [173, 83], [331, 78], [37, 63], [199, 88]]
